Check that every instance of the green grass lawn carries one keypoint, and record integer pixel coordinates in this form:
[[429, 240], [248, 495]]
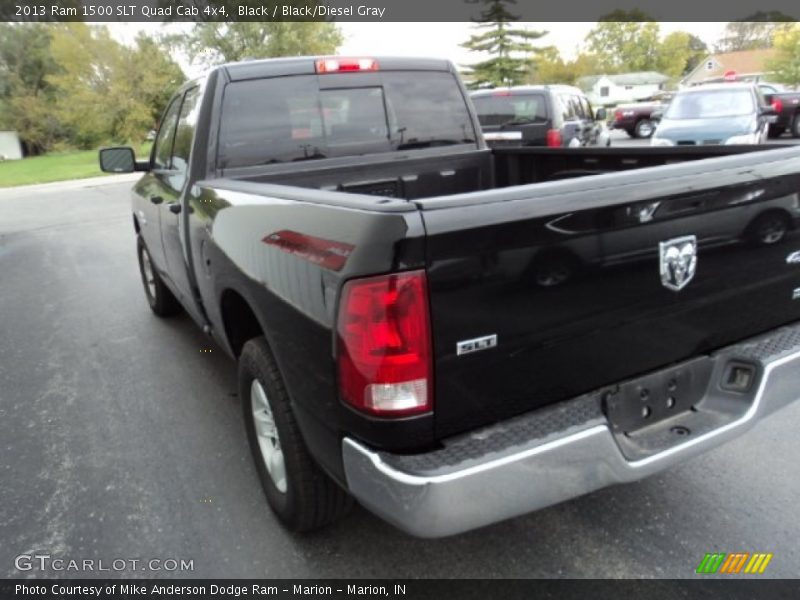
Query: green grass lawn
[[55, 167]]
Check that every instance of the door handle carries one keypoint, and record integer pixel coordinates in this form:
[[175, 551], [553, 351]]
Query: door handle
[[156, 199], [174, 208]]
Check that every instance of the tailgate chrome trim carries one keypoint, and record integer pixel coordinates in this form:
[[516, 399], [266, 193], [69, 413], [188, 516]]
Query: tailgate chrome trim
[[548, 472]]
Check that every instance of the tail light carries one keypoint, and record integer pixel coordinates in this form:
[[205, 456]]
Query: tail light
[[501, 93], [618, 115], [777, 105], [384, 344], [553, 138], [341, 65]]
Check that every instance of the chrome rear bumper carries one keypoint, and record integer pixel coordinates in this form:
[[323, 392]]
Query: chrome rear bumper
[[570, 450]]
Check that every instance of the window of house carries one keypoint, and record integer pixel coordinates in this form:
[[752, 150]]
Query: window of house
[[604, 91], [710, 65], [628, 87]]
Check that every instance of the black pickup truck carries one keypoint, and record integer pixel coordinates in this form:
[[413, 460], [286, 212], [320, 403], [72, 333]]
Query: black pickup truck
[[454, 335]]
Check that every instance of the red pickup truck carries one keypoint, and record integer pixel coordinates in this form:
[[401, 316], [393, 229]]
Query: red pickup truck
[[635, 119]]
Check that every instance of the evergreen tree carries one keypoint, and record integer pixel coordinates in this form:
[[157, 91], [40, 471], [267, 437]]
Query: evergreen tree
[[509, 47]]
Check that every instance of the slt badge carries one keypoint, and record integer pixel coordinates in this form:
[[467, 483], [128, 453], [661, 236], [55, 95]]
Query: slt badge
[[678, 262]]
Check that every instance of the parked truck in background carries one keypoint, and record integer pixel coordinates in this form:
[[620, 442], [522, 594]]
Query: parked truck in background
[[450, 334], [787, 108], [636, 119]]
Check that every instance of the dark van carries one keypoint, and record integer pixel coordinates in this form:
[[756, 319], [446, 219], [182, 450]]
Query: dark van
[[540, 115]]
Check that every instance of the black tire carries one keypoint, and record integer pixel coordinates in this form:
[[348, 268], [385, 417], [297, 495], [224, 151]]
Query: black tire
[[644, 128], [311, 499], [796, 126], [161, 300], [775, 131], [769, 229]]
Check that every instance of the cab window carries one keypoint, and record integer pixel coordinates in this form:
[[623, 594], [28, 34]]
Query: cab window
[[184, 134], [166, 135]]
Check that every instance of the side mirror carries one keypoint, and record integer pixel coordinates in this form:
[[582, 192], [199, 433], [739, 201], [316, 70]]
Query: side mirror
[[656, 115], [601, 114], [120, 159]]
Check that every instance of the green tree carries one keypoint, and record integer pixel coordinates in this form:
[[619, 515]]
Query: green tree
[[107, 91], [756, 32], [215, 43], [625, 41], [785, 67], [153, 76], [550, 67], [678, 53], [699, 52], [26, 96], [87, 102], [509, 48]]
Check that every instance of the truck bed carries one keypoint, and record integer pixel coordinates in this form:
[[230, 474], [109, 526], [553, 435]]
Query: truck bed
[[556, 253]]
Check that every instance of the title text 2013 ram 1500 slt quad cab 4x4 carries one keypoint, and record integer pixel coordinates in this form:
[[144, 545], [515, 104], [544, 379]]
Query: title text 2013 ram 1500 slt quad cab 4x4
[[450, 334]]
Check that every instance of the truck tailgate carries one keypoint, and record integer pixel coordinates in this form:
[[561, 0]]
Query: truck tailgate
[[542, 292]]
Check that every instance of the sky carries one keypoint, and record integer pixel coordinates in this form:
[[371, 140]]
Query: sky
[[435, 39]]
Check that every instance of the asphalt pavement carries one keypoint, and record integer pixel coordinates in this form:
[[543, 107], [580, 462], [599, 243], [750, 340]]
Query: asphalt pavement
[[121, 439]]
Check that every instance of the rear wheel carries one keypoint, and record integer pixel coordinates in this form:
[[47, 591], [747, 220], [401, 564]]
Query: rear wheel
[[796, 126], [644, 128], [769, 228], [161, 300], [298, 491]]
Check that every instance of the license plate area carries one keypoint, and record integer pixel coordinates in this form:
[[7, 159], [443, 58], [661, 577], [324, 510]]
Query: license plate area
[[648, 400]]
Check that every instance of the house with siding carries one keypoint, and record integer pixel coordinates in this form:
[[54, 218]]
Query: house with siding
[[619, 89], [748, 65]]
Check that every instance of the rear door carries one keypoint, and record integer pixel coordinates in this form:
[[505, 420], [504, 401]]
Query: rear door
[[151, 188], [572, 130], [174, 182]]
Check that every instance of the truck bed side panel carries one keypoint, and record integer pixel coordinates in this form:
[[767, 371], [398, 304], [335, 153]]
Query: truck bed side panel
[[287, 259]]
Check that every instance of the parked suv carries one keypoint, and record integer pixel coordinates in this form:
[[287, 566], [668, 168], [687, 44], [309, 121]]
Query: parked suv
[[542, 115]]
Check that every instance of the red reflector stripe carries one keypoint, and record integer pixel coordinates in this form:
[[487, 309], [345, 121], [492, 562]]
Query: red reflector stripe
[[325, 253]]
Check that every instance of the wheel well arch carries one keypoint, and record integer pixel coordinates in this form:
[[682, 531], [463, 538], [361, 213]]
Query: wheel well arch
[[239, 320], [775, 210]]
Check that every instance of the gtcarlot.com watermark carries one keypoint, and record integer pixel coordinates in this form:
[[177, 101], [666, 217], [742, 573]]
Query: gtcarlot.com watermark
[[58, 564]]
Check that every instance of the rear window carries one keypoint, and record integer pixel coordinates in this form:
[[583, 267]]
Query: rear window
[[289, 119], [714, 104], [510, 110]]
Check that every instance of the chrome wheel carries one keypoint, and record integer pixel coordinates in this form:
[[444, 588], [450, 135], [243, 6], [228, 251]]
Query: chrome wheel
[[147, 272], [645, 129], [267, 435]]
